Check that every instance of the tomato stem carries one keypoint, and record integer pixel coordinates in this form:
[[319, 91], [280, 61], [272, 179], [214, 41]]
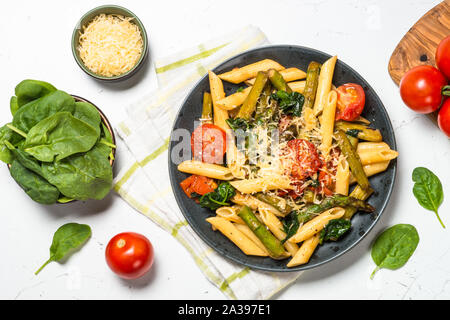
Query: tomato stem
[[445, 91]]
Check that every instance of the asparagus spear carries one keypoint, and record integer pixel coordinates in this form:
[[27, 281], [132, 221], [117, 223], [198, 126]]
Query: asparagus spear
[[272, 244], [360, 194], [263, 110], [278, 81], [249, 105], [360, 131], [312, 81], [275, 202], [353, 141], [353, 159], [207, 108]]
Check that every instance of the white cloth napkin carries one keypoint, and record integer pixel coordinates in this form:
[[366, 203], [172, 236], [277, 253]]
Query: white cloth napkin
[[143, 180]]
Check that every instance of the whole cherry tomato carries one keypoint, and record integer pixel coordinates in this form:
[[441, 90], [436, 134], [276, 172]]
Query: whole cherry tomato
[[420, 88], [443, 56], [129, 255], [208, 143], [351, 101], [444, 118]]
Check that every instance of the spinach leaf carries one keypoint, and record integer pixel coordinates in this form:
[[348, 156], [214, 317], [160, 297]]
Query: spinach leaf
[[292, 222], [353, 132], [88, 113], [219, 197], [394, 247], [37, 110], [29, 90], [67, 238], [428, 190], [334, 230], [59, 136], [238, 124], [36, 187], [7, 135], [13, 105], [82, 176], [289, 103]]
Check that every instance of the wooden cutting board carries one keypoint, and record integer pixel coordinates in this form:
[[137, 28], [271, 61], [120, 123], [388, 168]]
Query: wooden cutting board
[[419, 44]]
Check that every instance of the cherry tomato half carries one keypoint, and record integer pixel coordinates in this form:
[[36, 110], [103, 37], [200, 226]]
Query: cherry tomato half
[[420, 88], [129, 255], [351, 101], [443, 56], [208, 143], [444, 117], [198, 184], [306, 159]]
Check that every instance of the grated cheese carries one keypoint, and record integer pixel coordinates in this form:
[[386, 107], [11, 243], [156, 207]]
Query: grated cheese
[[110, 45]]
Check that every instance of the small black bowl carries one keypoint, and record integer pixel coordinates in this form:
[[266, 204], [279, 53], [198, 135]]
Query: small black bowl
[[362, 223]]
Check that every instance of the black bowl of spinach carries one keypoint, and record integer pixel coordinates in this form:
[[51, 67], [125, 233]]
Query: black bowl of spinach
[[59, 147]]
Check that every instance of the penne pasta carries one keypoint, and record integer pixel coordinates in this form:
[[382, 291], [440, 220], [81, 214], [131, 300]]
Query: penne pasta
[[230, 213], [230, 231], [316, 225], [235, 158], [372, 169], [324, 86], [249, 234], [234, 100], [262, 184], [297, 86], [327, 123], [289, 74], [239, 75], [371, 156], [217, 93], [373, 146], [305, 252], [205, 169], [342, 177], [254, 204]]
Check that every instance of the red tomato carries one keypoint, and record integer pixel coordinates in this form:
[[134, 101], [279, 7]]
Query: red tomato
[[351, 101], [129, 255], [208, 143], [198, 184], [444, 117], [420, 88], [443, 56], [306, 159]]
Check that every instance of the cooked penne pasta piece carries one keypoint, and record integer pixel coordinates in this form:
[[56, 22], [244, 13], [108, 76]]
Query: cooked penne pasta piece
[[276, 227], [324, 86], [289, 74], [239, 75], [261, 184], [373, 169], [364, 146], [305, 252], [297, 86], [230, 213], [316, 224], [234, 100], [327, 123], [205, 169], [370, 156], [342, 177], [249, 234], [230, 231], [217, 93], [235, 158], [254, 204]]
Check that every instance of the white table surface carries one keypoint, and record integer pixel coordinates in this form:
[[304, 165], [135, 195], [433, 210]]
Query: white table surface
[[36, 44]]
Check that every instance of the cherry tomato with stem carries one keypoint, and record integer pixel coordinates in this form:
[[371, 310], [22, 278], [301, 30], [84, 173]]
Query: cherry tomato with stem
[[129, 255], [443, 56]]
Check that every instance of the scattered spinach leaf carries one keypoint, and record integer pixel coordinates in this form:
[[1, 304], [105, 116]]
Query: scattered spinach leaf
[[219, 197], [334, 229], [428, 190], [67, 238], [290, 225], [289, 103], [393, 248]]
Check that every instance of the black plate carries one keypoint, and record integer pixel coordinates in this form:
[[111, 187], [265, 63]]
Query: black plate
[[362, 223]]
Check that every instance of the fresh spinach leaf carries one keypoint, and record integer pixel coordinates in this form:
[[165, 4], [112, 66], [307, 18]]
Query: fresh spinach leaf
[[219, 197], [67, 238], [289, 103], [334, 229], [88, 113], [393, 248], [428, 190], [29, 90], [238, 124], [293, 220], [7, 135], [13, 105], [59, 136], [36, 187]]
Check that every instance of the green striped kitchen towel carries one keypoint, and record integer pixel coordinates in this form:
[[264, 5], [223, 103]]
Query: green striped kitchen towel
[[143, 180]]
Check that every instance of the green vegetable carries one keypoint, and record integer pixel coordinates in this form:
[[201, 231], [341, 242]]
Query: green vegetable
[[272, 244], [238, 124], [36, 187], [59, 136], [290, 103], [13, 105], [7, 135], [67, 238], [334, 230], [220, 197], [312, 81], [249, 105], [360, 131], [277, 203], [240, 89], [353, 132], [88, 113], [428, 190], [29, 90], [394, 247], [207, 110], [278, 81]]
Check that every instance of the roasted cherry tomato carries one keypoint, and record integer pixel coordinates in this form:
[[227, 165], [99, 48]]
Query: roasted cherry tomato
[[208, 143], [420, 88], [306, 159], [443, 56], [199, 184], [444, 117], [351, 101], [129, 255]]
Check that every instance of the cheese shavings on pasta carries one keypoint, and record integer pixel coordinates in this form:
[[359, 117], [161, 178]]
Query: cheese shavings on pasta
[[110, 45]]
